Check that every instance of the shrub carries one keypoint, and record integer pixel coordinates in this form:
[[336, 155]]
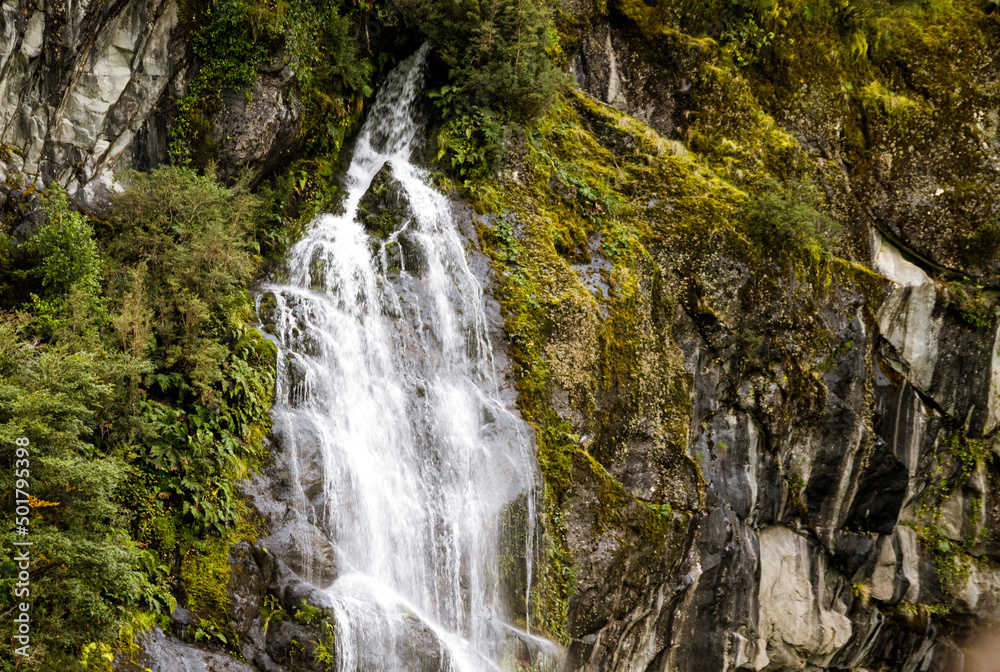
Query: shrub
[[139, 430], [499, 75], [495, 50], [787, 218], [61, 257], [85, 569]]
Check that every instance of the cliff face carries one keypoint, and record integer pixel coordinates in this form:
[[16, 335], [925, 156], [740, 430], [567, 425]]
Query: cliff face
[[818, 431], [90, 89], [80, 85], [760, 452]]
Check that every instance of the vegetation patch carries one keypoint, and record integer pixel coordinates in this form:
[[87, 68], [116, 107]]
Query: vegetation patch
[[127, 360]]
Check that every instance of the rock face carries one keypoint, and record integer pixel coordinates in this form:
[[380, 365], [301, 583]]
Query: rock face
[[162, 653], [259, 129], [79, 89], [830, 478], [88, 90]]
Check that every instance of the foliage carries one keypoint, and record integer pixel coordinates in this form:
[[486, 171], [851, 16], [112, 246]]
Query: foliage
[[499, 75], [322, 50], [787, 218], [470, 137], [495, 50], [746, 38], [229, 53], [145, 396], [84, 574], [973, 306], [62, 257], [232, 39]]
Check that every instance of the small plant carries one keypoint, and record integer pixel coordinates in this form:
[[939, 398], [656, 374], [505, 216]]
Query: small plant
[[470, 136], [325, 646], [270, 610], [746, 39], [98, 657], [862, 591], [972, 305], [787, 217], [207, 631], [307, 613]]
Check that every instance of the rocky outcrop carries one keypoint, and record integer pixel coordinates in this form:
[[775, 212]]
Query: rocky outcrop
[[89, 90], [159, 652], [258, 129], [80, 88], [918, 164]]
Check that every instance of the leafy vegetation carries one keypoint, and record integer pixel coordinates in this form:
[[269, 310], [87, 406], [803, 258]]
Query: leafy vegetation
[[499, 74], [787, 217], [232, 39], [495, 51], [127, 362]]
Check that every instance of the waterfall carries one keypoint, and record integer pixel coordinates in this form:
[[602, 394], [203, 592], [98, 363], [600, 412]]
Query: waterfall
[[385, 369]]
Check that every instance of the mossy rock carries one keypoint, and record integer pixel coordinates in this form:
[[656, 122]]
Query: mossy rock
[[383, 210]]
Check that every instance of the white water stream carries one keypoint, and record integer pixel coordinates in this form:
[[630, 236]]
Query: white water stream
[[390, 370]]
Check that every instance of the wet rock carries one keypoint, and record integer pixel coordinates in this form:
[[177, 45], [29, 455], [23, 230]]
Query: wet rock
[[943, 357], [266, 309], [159, 652], [305, 549], [883, 580], [719, 577], [292, 590], [626, 584], [184, 618], [384, 208], [881, 492], [246, 587], [414, 258], [297, 646]]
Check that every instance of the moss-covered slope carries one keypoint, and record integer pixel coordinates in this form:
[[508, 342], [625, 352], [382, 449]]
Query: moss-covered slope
[[692, 252]]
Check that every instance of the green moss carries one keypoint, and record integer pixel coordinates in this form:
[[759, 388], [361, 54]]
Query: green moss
[[229, 53], [974, 307], [205, 573]]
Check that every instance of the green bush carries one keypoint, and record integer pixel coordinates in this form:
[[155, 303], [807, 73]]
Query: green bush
[[495, 50], [323, 51], [469, 139], [85, 568], [499, 74], [142, 419], [62, 261], [787, 218]]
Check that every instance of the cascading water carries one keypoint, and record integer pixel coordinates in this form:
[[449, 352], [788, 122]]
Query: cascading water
[[386, 369]]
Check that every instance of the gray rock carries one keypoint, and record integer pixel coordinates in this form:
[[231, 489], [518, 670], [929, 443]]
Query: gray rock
[[305, 549], [258, 129], [804, 615], [159, 652], [75, 89]]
